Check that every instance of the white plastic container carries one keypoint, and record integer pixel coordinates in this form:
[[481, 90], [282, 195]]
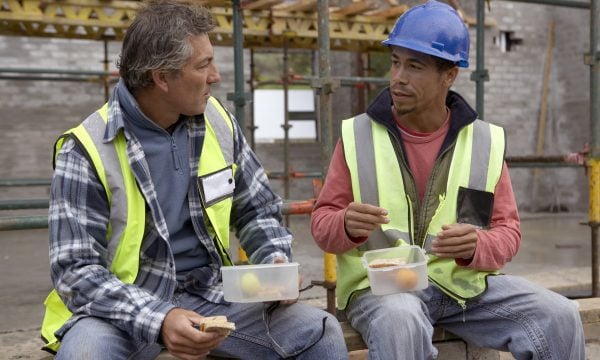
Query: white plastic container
[[258, 283], [408, 272]]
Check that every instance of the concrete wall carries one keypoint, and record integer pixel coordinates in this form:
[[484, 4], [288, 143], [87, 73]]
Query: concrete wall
[[34, 113], [513, 96]]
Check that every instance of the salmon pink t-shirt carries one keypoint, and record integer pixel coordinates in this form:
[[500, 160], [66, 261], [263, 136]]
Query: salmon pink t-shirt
[[421, 151]]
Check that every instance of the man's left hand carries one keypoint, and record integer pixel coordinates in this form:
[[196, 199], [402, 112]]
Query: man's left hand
[[457, 241], [279, 260]]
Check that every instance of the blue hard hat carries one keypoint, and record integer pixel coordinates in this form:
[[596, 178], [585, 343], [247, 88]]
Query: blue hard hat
[[433, 28]]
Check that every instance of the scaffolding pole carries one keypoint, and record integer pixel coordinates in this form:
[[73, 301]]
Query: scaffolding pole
[[594, 162], [480, 75]]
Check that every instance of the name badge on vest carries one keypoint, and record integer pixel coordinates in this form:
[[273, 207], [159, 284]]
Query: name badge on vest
[[216, 186]]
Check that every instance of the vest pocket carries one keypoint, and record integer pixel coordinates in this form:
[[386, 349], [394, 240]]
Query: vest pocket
[[474, 207]]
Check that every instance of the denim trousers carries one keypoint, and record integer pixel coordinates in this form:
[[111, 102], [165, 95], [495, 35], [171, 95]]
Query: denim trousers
[[513, 315], [263, 331]]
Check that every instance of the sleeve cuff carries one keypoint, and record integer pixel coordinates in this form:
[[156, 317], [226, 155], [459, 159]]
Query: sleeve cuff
[[148, 322]]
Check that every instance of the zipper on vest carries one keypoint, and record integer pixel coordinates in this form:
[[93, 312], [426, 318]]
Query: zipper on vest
[[428, 189], [462, 302], [396, 144]]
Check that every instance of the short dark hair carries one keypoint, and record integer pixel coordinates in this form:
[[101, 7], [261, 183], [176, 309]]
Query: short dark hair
[[443, 64], [158, 38]]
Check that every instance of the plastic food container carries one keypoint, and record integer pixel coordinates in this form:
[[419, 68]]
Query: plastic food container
[[258, 283], [398, 269]]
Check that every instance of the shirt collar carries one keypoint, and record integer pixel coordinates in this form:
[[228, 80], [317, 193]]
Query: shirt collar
[[115, 121]]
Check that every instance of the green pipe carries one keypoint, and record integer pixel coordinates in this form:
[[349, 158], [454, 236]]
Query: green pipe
[[58, 71], [480, 74], [23, 222], [19, 204], [345, 80], [49, 78], [239, 98], [325, 86], [25, 182]]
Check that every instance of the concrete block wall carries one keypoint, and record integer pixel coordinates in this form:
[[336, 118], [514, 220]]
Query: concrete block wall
[[34, 113], [513, 95]]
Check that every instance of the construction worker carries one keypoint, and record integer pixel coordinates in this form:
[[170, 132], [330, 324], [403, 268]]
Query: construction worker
[[143, 196], [419, 169]]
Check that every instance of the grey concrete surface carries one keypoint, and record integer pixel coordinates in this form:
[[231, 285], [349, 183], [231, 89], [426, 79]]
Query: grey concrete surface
[[555, 251]]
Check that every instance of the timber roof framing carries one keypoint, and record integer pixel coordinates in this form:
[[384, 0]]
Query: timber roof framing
[[358, 26]]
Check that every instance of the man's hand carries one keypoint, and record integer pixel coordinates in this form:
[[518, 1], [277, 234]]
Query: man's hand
[[361, 219], [183, 340], [457, 241], [279, 260]]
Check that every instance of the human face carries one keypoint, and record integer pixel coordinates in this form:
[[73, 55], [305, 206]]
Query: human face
[[189, 89], [417, 86]]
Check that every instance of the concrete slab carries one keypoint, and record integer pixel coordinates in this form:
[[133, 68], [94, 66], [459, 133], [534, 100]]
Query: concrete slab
[[556, 251]]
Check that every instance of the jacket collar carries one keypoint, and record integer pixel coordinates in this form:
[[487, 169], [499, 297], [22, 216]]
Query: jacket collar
[[462, 114], [115, 120]]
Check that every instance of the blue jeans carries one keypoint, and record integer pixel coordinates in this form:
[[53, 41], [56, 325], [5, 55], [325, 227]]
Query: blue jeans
[[512, 315], [263, 331]]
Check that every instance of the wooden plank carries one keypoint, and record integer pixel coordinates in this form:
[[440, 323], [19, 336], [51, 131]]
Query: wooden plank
[[391, 12], [259, 4], [298, 5], [355, 8]]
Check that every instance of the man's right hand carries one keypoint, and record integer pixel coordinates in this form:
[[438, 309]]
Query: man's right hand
[[361, 219], [183, 340]]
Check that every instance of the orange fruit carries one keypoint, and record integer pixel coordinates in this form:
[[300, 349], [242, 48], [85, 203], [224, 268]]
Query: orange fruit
[[406, 279]]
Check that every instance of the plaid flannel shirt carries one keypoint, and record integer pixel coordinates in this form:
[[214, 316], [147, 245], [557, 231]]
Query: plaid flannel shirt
[[78, 219]]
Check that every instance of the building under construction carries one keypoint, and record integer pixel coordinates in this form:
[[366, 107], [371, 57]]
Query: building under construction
[[534, 71]]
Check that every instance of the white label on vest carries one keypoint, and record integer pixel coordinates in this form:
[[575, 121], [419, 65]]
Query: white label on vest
[[217, 186]]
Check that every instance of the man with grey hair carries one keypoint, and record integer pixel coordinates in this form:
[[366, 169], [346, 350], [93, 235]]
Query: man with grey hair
[[143, 196]]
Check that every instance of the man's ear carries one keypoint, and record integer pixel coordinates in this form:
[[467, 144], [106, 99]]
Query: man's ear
[[159, 77], [450, 76]]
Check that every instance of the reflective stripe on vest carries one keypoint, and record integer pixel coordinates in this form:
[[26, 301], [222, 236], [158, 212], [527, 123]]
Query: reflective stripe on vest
[[377, 179], [217, 154], [127, 215]]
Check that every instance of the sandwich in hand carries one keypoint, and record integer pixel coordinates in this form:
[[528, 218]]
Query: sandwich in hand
[[218, 324]]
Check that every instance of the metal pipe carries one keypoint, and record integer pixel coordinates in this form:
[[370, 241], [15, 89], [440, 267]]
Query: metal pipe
[[59, 71], [594, 214], [19, 204], [595, 265], [23, 222], [546, 161], [286, 124], [51, 78], [293, 174], [106, 68], [595, 79], [532, 164], [25, 182], [594, 161], [252, 126], [325, 90], [344, 80], [297, 207], [480, 74], [239, 98], [567, 3]]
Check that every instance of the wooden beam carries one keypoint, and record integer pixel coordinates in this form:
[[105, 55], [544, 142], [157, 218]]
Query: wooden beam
[[355, 8], [391, 12], [259, 4], [298, 5]]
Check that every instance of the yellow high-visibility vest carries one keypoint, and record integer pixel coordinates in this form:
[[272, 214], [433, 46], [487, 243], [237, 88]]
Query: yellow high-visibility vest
[[127, 205], [377, 178]]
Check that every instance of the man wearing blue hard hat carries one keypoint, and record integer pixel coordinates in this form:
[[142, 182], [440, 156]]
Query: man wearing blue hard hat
[[419, 169]]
